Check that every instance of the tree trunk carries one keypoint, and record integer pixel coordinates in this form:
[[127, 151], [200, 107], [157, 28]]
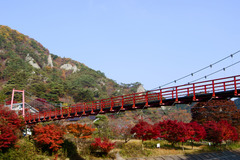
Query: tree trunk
[[142, 145]]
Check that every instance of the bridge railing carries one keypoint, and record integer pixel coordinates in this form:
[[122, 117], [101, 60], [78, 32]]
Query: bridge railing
[[175, 92]]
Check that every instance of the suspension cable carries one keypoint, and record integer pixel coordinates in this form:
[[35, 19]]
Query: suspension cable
[[204, 68]]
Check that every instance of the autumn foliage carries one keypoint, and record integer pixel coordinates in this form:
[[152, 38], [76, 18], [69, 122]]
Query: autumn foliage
[[102, 145], [199, 132], [50, 135], [173, 131], [143, 130], [10, 125], [80, 131], [220, 131]]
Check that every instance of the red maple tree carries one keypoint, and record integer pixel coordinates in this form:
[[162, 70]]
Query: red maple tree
[[199, 131], [220, 131], [173, 131], [10, 125], [142, 130]]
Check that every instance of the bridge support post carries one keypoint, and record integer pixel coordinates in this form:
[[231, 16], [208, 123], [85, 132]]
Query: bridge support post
[[23, 100]]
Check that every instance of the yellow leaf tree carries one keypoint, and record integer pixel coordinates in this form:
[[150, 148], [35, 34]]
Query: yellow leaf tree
[[80, 131]]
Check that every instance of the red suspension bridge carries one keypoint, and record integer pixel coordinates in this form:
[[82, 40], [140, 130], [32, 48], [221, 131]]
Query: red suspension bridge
[[221, 88]]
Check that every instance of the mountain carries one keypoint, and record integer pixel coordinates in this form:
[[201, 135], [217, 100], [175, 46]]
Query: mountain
[[27, 65]]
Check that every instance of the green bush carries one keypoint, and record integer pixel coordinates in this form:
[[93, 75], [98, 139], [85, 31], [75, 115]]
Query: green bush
[[151, 144], [25, 150]]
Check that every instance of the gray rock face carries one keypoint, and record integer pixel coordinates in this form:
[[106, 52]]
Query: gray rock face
[[50, 62], [32, 62], [69, 67], [141, 89]]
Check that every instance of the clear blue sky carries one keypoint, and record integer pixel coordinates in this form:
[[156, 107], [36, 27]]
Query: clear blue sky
[[149, 41]]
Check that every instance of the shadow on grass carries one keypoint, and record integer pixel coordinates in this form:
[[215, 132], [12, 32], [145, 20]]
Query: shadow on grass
[[71, 150]]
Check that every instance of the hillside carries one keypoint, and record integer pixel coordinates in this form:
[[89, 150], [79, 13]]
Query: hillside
[[27, 65]]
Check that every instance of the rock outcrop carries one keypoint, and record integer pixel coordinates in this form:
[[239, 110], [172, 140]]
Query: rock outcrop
[[32, 62], [70, 67]]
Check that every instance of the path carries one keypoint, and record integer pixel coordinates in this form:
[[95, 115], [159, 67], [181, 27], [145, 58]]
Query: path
[[224, 155]]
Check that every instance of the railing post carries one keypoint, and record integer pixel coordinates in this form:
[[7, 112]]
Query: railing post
[[205, 89], [55, 114], [224, 86], [134, 102], [146, 99], [62, 114], [194, 95], [213, 89], [29, 118], [68, 112], [76, 115], [160, 101], [49, 118], [122, 108], [34, 117], [176, 95], [93, 105], [102, 106], [235, 86], [84, 107], [112, 105], [44, 117]]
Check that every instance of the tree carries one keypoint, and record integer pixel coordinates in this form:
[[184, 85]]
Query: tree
[[220, 131], [216, 110], [121, 128], [102, 124], [10, 125], [228, 131], [172, 131], [80, 131], [199, 132], [142, 130], [49, 135]]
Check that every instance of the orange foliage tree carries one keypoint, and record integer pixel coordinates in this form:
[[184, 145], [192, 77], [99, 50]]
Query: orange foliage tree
[[49, 135], [80, 131]]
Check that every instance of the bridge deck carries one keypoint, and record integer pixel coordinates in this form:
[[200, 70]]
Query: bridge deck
[[223, 88]]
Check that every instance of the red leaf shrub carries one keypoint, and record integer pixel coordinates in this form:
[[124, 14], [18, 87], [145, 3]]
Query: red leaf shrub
[[50, 135], [103, 145]]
